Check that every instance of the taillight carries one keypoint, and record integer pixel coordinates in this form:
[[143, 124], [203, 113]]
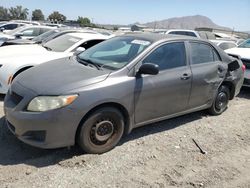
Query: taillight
[[243, 67]]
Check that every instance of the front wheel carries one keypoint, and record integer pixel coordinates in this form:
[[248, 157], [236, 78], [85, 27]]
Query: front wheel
[[220, 102], [101, 131]]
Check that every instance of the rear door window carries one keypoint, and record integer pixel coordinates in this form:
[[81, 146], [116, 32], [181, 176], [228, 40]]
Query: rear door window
[[202, 53]]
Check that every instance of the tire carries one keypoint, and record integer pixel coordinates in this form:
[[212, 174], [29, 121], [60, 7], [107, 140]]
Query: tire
[[101, 131], [221, 101]]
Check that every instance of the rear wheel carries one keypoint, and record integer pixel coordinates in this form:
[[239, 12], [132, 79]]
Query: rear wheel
[[220, 102], [102, 130]]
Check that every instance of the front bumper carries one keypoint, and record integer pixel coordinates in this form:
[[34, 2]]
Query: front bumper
[[51, 129]]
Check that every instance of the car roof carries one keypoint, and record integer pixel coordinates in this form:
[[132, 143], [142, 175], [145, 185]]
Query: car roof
[[154, 37], [36, 26], [189, 30]]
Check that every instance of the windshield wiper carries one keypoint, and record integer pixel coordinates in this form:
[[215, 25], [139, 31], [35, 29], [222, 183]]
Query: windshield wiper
[[47, 48], [88, 62]]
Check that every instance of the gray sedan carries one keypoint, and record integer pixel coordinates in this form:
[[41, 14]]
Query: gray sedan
[[93, 99]]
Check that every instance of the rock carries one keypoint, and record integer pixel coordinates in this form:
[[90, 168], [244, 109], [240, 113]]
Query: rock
[[28, 172]]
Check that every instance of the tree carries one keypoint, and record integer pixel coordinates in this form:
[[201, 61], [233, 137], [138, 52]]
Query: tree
[[18, 13], [4, 14], [84, 21], [57, 17], [37, 15]]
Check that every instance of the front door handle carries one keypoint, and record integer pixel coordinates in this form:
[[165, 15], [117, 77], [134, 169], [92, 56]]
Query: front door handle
[[185, 76]]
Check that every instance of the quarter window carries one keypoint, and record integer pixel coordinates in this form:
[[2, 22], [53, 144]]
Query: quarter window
[[168, 56], [202, 53]]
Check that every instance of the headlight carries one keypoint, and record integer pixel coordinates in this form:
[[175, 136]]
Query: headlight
[[45, 103]]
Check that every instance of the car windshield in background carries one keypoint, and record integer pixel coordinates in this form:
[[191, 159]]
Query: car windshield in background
[[62, 43], [245, 44], [115, 53], [43, 36], [14, 31]]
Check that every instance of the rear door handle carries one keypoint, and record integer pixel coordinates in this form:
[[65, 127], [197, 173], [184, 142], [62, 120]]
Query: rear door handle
[[185, 76]]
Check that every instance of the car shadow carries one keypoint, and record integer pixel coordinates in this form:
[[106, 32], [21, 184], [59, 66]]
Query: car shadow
[[162, 126], [244, 93], [15, 152], [2, 97]]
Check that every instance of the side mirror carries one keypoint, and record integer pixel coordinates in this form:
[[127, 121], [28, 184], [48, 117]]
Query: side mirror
[[79, 50], [149, 68], [18, 35], [234, 65]]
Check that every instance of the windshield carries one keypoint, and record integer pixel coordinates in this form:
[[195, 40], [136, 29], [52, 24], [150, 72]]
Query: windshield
[[43, 36], [62, 43], [115, 53], [245, 44]]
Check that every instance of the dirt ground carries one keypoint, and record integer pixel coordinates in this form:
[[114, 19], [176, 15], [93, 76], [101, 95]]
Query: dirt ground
[[157, 155]]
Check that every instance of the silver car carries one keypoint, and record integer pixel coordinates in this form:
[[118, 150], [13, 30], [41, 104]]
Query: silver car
[[93, 99]]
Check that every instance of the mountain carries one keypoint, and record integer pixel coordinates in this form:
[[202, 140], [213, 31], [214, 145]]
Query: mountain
[[187, 22]]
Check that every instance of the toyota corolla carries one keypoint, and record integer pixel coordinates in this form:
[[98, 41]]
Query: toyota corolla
[[93, 99]]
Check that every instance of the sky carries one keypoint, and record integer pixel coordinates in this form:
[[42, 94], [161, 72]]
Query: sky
[[234, 14]]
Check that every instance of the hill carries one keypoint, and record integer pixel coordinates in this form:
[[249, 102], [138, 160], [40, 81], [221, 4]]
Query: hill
[[187, 22]]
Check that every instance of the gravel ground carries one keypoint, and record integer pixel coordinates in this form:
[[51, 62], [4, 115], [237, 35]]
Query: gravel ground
[[158, 155]]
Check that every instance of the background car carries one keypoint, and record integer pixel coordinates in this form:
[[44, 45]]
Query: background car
[[47, 36], [129, 81], [8, 26], [16, 59], [184, 32], [223, 44], [243, 52], [25, 32]]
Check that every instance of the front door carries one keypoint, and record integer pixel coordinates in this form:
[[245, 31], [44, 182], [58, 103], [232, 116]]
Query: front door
[[157, 96]]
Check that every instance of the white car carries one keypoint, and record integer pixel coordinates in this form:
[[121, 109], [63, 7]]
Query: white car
[[8, 26], [25, 32], [224, 44], [243, 52], [15, 59], [185, 32]]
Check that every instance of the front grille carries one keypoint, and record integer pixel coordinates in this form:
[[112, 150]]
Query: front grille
[[15, 98], [246, 62]]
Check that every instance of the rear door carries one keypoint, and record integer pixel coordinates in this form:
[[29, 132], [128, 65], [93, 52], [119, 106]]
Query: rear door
[[208, 71], [166, 93]]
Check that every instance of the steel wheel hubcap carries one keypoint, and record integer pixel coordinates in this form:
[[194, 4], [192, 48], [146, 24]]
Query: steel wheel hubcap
[[221, 101], [104, 130]]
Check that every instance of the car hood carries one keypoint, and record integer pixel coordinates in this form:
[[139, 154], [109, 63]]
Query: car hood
[[60, 77], [242, 52], [18, 55], [21, 50]]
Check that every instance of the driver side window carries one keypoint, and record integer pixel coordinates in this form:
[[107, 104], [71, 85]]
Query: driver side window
[[31, 32], [167, 56]]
